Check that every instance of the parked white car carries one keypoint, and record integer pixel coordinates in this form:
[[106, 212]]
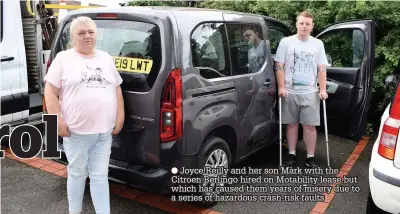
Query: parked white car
[[384, 168]]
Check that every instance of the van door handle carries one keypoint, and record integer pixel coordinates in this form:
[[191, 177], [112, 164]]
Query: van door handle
[[134, 128], [331, 87], [267, 83], [7, 58]]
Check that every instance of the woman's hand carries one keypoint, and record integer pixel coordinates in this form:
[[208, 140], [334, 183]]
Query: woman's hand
[[63, 130], [117, 128]]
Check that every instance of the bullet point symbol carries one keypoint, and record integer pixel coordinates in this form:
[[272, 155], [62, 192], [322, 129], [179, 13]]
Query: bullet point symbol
[[174, 170]]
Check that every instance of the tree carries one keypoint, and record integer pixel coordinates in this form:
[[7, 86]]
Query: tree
[[385, 13]]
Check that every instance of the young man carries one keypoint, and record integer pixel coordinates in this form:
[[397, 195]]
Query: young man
[[300, 65], [256, 54]]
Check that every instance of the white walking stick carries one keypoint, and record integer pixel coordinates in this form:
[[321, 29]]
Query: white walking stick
[[326, 132], [280, 131]]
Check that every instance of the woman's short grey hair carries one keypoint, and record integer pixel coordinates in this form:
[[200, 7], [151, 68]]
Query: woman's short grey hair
[[76, 22], [81, 20]]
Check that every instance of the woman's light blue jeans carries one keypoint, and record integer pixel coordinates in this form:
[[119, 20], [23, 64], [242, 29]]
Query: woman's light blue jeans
[[88, 155]]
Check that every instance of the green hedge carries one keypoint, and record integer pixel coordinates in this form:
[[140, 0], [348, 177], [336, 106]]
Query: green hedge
[[385, 13]]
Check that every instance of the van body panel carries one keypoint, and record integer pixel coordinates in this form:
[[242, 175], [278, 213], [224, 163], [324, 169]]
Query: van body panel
[[208, 103], [14, 80]]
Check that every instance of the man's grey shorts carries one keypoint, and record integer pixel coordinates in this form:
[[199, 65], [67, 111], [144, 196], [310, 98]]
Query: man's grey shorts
[[301, 108]]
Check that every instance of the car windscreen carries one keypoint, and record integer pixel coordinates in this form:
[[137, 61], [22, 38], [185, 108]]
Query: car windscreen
[[135, 47]]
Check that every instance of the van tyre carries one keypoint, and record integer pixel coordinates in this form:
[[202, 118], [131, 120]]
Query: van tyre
[[214, 152]]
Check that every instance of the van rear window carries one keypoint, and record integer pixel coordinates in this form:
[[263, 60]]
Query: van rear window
[[135, 47]]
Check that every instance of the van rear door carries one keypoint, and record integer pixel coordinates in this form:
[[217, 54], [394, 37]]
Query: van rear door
[[138, 42]]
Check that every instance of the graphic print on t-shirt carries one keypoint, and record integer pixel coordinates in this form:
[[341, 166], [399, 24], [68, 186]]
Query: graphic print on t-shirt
[[302, 69], [93, 77]]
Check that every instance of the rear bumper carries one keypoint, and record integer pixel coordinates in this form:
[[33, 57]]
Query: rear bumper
[[384, 182], [385, 195], [155, 180], [150, 180]]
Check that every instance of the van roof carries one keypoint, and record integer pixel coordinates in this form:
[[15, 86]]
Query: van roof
[[168, 10]]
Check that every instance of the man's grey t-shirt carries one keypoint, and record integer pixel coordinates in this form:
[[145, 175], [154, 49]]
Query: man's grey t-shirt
[[256, 56], [301, 60]]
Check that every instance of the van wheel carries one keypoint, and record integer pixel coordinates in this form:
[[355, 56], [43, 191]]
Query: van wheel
[[214, 153]]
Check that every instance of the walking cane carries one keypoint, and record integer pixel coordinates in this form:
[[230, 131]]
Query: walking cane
[[326, 132], [280, 131]]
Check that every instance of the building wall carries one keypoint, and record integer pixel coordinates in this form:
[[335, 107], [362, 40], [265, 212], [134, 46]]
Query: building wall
[[70, 2]]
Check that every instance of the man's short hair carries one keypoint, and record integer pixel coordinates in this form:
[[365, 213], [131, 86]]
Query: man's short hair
[[305, 14], [256, 29]]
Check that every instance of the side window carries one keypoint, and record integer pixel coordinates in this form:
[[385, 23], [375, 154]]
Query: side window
[[210, 50], [275, 36], [345, 47], [247, 47]]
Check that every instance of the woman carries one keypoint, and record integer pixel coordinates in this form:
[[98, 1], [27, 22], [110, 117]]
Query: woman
[[83, 89]]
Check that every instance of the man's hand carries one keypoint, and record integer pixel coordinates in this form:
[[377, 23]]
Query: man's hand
[[63, 129], [323, 95], [282, 92]]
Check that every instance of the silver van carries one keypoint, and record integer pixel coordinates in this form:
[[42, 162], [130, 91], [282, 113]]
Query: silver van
[[198, 94]]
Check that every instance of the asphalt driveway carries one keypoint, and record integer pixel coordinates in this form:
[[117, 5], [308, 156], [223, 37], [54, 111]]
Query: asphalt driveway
[[25, 189], [39, 186]]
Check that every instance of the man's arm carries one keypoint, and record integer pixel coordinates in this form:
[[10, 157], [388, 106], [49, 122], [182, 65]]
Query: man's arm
[[280, 59], [280, 74], [322, 78], [322, 63]]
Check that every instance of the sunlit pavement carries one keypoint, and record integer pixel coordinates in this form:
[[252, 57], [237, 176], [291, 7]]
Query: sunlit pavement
[[39, 186]]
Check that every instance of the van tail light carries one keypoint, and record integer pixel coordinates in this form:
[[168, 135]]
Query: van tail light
[[390, 130], [171, 107]]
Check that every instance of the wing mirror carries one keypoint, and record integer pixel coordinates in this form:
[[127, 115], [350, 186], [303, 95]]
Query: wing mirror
[[391, 79], [329, 57]]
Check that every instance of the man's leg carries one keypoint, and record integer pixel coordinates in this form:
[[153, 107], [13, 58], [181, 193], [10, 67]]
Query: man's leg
[[292, 137], [310, 118], [310, 138], [290, 116]]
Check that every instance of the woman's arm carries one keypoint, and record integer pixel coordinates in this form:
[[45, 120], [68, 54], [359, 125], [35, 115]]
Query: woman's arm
[[120, 111], [52, 104]]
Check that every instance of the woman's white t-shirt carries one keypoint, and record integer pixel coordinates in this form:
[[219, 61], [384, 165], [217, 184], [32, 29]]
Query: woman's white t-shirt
[[88, 99]]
